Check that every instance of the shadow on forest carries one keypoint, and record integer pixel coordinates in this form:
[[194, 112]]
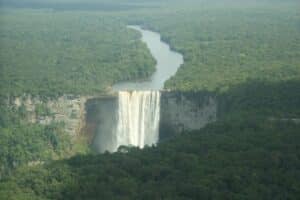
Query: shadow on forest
[[255, 97]]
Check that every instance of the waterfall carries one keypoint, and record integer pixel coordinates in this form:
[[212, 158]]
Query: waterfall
[[137, 118]]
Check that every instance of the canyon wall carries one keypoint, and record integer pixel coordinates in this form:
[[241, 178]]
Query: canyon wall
[[186, 111], [97, 116], [66, 109], [179, 112], [101, 121]]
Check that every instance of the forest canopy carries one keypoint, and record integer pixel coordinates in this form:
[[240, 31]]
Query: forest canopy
[[228, 44], [85, 52], [50, 54], [246, 53]]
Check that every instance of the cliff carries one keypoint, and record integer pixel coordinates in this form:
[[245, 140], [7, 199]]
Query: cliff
[[179, 112], [186, 111], [67, 109], [96, 116]]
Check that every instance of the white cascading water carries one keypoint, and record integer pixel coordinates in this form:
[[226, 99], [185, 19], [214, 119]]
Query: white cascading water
[[137, 118]]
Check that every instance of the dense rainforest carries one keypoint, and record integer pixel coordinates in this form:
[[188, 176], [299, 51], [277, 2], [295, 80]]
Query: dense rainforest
[[242, 156], [246, 52], [81, 52], [50, 54], [231, 44]]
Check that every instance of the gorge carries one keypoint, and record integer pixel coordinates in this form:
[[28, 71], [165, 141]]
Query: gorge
[[140, 110], [137, 112]]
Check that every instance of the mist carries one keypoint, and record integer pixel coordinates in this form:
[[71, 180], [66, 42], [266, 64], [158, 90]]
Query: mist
[[123, 5]]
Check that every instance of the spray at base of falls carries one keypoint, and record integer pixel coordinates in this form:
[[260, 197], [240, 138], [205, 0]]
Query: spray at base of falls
[[137, 118]]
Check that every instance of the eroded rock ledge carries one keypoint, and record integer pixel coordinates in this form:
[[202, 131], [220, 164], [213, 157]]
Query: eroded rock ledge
[[179, 112], [186, 111], [95, 115], [67, 109]]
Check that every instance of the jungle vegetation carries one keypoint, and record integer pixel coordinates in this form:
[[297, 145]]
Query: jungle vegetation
[[49, 54], [248, 53], [230, 43], [251, 152], [246, 158], [84, 52]]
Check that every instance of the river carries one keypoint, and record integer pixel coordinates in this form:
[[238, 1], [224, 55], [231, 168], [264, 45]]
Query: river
[[138, 109], [167, 63]]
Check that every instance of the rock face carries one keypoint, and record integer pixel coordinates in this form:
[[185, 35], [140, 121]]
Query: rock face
[[186, 111], [179, 112], [101, 121], [67, 109], [96, 116]]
